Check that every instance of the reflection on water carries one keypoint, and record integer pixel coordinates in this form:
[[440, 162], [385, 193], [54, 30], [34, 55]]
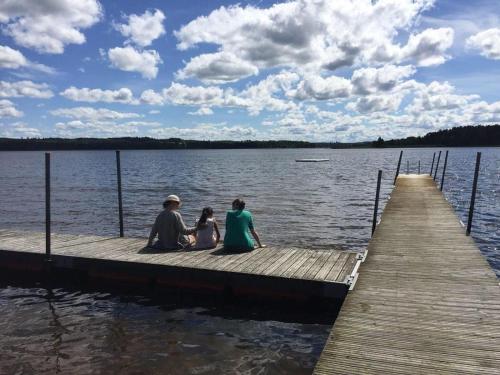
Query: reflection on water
[[60, 331]]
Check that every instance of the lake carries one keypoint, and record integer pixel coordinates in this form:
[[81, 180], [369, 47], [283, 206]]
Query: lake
[[316, 205]]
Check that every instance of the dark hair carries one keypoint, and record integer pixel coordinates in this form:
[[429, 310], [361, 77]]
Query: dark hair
[[167, 203], [239, 204], [205, 213]]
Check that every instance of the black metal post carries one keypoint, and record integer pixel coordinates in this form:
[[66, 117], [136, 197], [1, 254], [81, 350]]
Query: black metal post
[[444, 170], [432, 166], [437, 166], [419, 167], [119, 182], [399, 166], [47, 207], [473, 196], [375, 209]]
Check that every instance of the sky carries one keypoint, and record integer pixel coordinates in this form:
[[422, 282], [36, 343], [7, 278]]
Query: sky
[[314, 70]]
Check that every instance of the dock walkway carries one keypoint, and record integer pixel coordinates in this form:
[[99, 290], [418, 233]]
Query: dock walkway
[[426, 301], [276, 271]]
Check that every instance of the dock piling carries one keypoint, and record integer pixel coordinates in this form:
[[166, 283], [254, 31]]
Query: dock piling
[[375, 208], [407, 166], [47, 207], [399, 166], [419, 167], [444, 170], [437, 166], [432, 165], [473, 196], [119, 182]]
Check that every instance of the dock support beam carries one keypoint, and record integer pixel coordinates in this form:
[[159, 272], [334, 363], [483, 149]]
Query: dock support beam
[[375, 208], [432, 165], [419, 167], [473, 196], [47, 207], [444, 170], [437, 166], [119, 182], [407, 166], [399, 166]]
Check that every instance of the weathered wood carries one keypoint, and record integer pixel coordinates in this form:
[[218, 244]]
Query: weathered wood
[[426, 300]]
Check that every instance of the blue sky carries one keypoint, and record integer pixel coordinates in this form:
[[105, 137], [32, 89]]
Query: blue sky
[[343, 70]]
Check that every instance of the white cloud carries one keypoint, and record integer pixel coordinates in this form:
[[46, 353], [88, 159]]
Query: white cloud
[[46, 25], [7, 109], [375, 80], [131, 60], [79, 128], [202, 111], [376, 103], [487, 42], [428, 47], [317, 87], [206, 132], [180, 94], [123, 95], [11, 58], [19, 130], [319, 34], [92, 114], [215, 68], [25, 89], [142, 30]]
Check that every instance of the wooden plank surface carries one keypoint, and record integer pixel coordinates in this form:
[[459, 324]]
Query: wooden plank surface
[[292, 263], [426, 301]]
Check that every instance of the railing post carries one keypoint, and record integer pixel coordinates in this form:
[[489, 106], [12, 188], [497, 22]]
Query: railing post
[[407, 166], [399, 166], [432, 166], [375, 209], [473, 196], [119, 182], [47, 207], [419, 167], [437, 166], [444, 170]]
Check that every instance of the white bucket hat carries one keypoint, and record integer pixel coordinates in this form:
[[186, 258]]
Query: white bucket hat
[[173, 198]]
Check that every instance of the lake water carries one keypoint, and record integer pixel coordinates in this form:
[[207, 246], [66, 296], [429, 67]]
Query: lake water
[[318, 205]]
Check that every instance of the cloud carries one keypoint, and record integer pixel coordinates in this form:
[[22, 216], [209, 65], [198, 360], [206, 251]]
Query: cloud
[[7, 109], [376, 103], [428, 48], [180, 94], [25, 89], [48, 26], [317, 35], [216, 68], [19, 130], [207, 131], [123, 95], [11, 58], [131, 60], [202, 111], [487, 42], [144, 29], [92, 114], [375, 80], [319, 88]]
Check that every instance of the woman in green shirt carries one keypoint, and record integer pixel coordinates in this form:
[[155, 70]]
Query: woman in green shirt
[[239, 225]]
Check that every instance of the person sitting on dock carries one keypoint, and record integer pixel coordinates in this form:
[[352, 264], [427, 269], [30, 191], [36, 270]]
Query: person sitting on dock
[[239, 225], [207, 230], [170, 228]]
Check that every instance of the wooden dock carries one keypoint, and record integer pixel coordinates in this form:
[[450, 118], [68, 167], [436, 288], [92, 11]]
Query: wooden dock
[[272, 271], [426, 301]]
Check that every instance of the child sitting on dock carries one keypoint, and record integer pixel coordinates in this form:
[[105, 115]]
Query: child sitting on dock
[[207, 230]]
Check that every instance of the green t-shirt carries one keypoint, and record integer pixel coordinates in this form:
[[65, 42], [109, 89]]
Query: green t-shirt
[[238, 224]]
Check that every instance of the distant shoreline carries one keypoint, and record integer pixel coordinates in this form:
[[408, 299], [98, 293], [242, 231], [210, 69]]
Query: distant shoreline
[[466, 136]]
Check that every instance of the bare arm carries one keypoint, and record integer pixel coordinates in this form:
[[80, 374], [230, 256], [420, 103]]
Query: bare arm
[[256, 236], [217, 233], [182, 227]]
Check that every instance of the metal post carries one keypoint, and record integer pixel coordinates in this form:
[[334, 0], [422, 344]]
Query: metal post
[[444, 170], [399, 166], [407, 166], [47, 207], [375, 209], [419, 167], [473, 196], [432, 166], [119, 182], [437, 166]]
